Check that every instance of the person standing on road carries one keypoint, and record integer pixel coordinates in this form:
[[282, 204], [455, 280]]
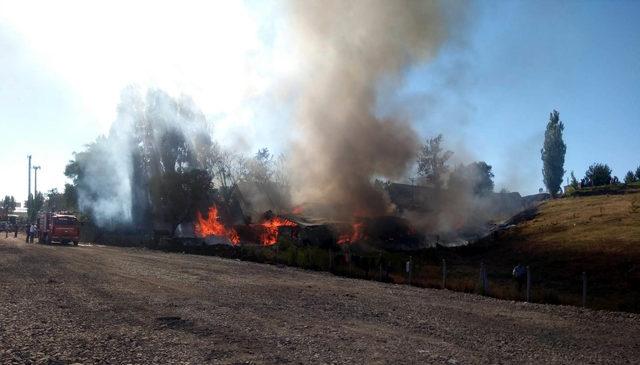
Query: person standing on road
[[32, 232], [520, 275], [15, 228], [27, 232]]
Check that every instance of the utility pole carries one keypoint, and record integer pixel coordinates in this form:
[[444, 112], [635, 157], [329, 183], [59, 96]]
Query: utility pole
[[29, 172], [584, 289], [444, 274], [528, 285], [35, 180]]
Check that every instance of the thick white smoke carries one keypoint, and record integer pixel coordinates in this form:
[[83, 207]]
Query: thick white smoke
[[105, 182], [155, 134]]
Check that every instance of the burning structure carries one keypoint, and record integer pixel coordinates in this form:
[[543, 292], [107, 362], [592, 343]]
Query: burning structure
[[160, 166]]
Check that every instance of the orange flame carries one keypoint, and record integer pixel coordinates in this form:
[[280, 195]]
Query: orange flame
[[212, 227], [269, 234], [356, 235]]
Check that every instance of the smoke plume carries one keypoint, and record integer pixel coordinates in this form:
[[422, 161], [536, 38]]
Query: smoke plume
[[125, 177], [349, 48]]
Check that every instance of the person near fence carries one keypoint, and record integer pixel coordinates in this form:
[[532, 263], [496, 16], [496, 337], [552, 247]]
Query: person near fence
[[32, 232], [520, 275]]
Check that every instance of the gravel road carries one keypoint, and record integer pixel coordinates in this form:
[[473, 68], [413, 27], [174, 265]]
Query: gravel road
[[93, 304]]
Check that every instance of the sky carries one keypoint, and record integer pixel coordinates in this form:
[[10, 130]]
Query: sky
[[489, 90]]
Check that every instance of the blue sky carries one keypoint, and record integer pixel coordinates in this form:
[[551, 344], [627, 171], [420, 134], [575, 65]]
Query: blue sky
[[524, 59], [489, 91]]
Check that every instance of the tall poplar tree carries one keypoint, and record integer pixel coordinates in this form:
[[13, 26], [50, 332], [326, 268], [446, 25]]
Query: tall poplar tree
[[553, 152]]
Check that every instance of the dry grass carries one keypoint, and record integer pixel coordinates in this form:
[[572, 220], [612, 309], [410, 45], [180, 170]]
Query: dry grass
[[599, 235], [606, 223]]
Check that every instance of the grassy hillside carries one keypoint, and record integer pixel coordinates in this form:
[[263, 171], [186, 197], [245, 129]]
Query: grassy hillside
[[598, 234], [595, 224]]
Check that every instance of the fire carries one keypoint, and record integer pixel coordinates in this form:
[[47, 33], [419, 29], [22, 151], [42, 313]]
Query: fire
[[212, 227], [269, 234], [266, 231], [356, 235]]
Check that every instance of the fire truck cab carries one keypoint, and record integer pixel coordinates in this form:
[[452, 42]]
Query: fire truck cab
[[60, 227]]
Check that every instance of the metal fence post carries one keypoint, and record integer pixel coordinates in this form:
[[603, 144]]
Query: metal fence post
[[528, 284], [485, 282], [483, 278], [481, 275], [584, 289], [444, 274]]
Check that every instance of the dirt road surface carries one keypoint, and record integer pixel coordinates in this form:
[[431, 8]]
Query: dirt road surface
[[93, 304]]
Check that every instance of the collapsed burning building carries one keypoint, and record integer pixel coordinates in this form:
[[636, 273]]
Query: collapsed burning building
[[401, 230]]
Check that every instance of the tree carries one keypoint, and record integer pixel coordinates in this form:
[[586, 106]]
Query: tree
[[70, 197], [574, 182], [8, 204], [553, 152], [34, 205], [475, 177], [598, 174], [630, 177], [260, 168], [182, 193], [55, 201], [638, 173], [484, 183], [119, 179], [432, 161]]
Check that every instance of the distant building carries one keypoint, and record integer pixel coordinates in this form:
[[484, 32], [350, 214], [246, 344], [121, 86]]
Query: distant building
[[20, 211]]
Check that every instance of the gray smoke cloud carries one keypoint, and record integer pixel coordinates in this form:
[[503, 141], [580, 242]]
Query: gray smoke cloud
[[349, 48]]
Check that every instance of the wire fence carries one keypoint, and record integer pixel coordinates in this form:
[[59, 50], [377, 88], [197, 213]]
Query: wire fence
[[404, 269]]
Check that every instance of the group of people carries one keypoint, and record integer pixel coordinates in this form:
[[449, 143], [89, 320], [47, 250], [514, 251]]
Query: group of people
[[13, 229], [31, 231]]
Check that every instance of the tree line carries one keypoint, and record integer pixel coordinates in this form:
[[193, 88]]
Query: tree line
[[172, 165], [433, 170], [553, 152], [8, 205]]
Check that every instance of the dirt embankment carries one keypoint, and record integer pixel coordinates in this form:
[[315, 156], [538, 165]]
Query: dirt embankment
[[90, 304]]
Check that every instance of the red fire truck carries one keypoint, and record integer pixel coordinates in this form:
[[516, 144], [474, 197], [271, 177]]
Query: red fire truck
[[60, 227]]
